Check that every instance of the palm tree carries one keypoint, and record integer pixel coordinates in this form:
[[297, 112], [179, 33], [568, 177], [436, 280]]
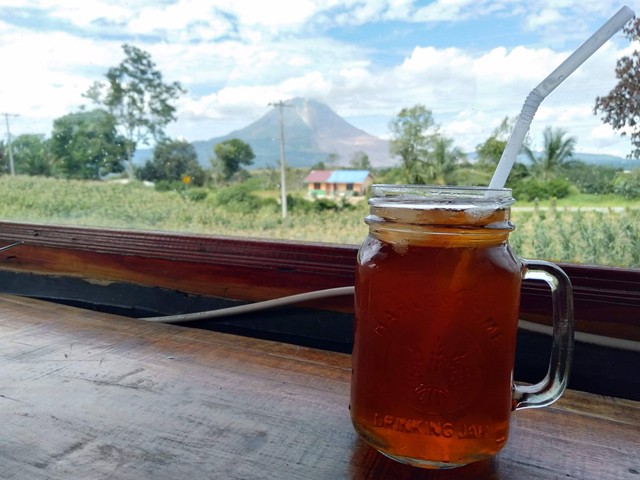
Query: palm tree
[[442, 160], [557, 153]]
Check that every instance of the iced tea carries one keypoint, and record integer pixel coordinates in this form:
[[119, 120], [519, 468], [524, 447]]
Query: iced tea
[[437, 297]]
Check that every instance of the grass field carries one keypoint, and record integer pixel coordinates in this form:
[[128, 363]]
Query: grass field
[[581, 229]]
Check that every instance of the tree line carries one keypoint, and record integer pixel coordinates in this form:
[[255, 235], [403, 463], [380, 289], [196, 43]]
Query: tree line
[[134, 104], [428, 157], [131, 107]]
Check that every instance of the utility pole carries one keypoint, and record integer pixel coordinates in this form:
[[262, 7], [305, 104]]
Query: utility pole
[[6, 119], [283, 177]]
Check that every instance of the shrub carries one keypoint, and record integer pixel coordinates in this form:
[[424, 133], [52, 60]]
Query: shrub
[[532, 189], [239, 198], [197, 194], [627, 183], [596, 179]]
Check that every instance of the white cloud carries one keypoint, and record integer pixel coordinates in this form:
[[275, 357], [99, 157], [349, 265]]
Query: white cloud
[[543, 18], [85, 12], [239, 55], [184, 20]]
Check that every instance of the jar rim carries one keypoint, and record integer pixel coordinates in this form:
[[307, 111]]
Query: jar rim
[[439, 196]]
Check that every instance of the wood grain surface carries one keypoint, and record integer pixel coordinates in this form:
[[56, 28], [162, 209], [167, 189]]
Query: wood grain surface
[[86, 395]]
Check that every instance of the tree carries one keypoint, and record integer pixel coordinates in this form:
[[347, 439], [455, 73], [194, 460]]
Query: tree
[[490, 152], [557, 153], [31, 155], [442, 160], [138, 98], [360, 161], [621, 107], [592, 179], [173, 160], [4, 160], [412, 140], [86, 145], [231, 155]]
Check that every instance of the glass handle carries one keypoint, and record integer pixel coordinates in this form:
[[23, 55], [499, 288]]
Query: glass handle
[[555, 382]]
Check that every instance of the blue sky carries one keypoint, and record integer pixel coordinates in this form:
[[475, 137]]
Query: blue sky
[[471, 62]]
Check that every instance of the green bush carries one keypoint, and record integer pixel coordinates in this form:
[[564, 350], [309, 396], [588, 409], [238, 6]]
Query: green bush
[[240, 198], [532, 189], [299, 204], [168, 185], [197, 194], [627, 183], [596, 179]]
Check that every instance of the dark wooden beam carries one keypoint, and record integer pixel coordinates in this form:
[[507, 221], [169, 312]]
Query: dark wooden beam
[[607, 300]]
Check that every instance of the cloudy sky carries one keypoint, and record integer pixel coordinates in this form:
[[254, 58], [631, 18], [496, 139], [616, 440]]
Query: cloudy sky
[[471, 62]]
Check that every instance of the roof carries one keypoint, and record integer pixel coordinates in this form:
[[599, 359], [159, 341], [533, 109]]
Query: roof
[[337, 176], [348, 176], [318, 176]]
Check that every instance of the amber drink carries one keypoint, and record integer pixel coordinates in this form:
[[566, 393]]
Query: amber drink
[[437, 301]]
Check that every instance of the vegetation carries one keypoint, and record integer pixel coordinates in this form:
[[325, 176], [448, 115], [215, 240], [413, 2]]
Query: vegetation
[[621, 107], [412, 131], [572, 212], [556, 156], [138, 98], [173, 161], [86, 145], [230, 157], [559, 231], [32, 155]]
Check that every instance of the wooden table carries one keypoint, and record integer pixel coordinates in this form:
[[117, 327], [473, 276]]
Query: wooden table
[[86, 395]]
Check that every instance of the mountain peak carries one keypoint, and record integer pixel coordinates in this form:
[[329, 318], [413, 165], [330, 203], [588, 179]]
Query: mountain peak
[[312, 131]]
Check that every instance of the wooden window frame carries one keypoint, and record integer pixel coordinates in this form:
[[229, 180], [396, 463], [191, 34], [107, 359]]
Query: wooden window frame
[[607, 299]]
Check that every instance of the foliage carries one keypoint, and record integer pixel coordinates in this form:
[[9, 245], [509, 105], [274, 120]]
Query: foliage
[[4, 158], [318, 166], [490, 152], [609, 236], [426, 156], [390, 175], [621, 107], [413, 131], [240, 198], [197, 194], [299, 204], [595, 179], [231, 156], [534, 189], [557, 153], [596, 236], [627, 184], [31, 155], [86, 145], [360, 161], [173, 160], [138, 98], [442, 161]]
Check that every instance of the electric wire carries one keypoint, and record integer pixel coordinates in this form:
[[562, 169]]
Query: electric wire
[[599, 340]]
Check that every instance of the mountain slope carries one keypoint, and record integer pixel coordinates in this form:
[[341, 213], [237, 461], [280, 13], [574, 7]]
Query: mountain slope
[[312, 132]]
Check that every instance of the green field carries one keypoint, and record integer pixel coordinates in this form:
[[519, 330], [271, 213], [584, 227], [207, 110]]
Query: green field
[[580, 229]]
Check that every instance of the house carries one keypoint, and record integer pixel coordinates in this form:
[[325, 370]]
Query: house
[[338, 182]]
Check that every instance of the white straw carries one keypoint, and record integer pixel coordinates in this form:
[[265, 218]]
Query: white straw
[[556, 77]]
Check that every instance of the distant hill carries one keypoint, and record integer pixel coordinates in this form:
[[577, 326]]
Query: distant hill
[[607, 160], [588, 158], [312, 132]]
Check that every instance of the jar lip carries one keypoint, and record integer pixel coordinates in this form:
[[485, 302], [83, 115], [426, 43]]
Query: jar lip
[[436, 195]]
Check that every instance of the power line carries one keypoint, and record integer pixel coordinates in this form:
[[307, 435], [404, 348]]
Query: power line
[[283, 177], [6, 119]]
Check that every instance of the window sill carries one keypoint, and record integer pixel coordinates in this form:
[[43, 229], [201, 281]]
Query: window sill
[[607, 300]]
